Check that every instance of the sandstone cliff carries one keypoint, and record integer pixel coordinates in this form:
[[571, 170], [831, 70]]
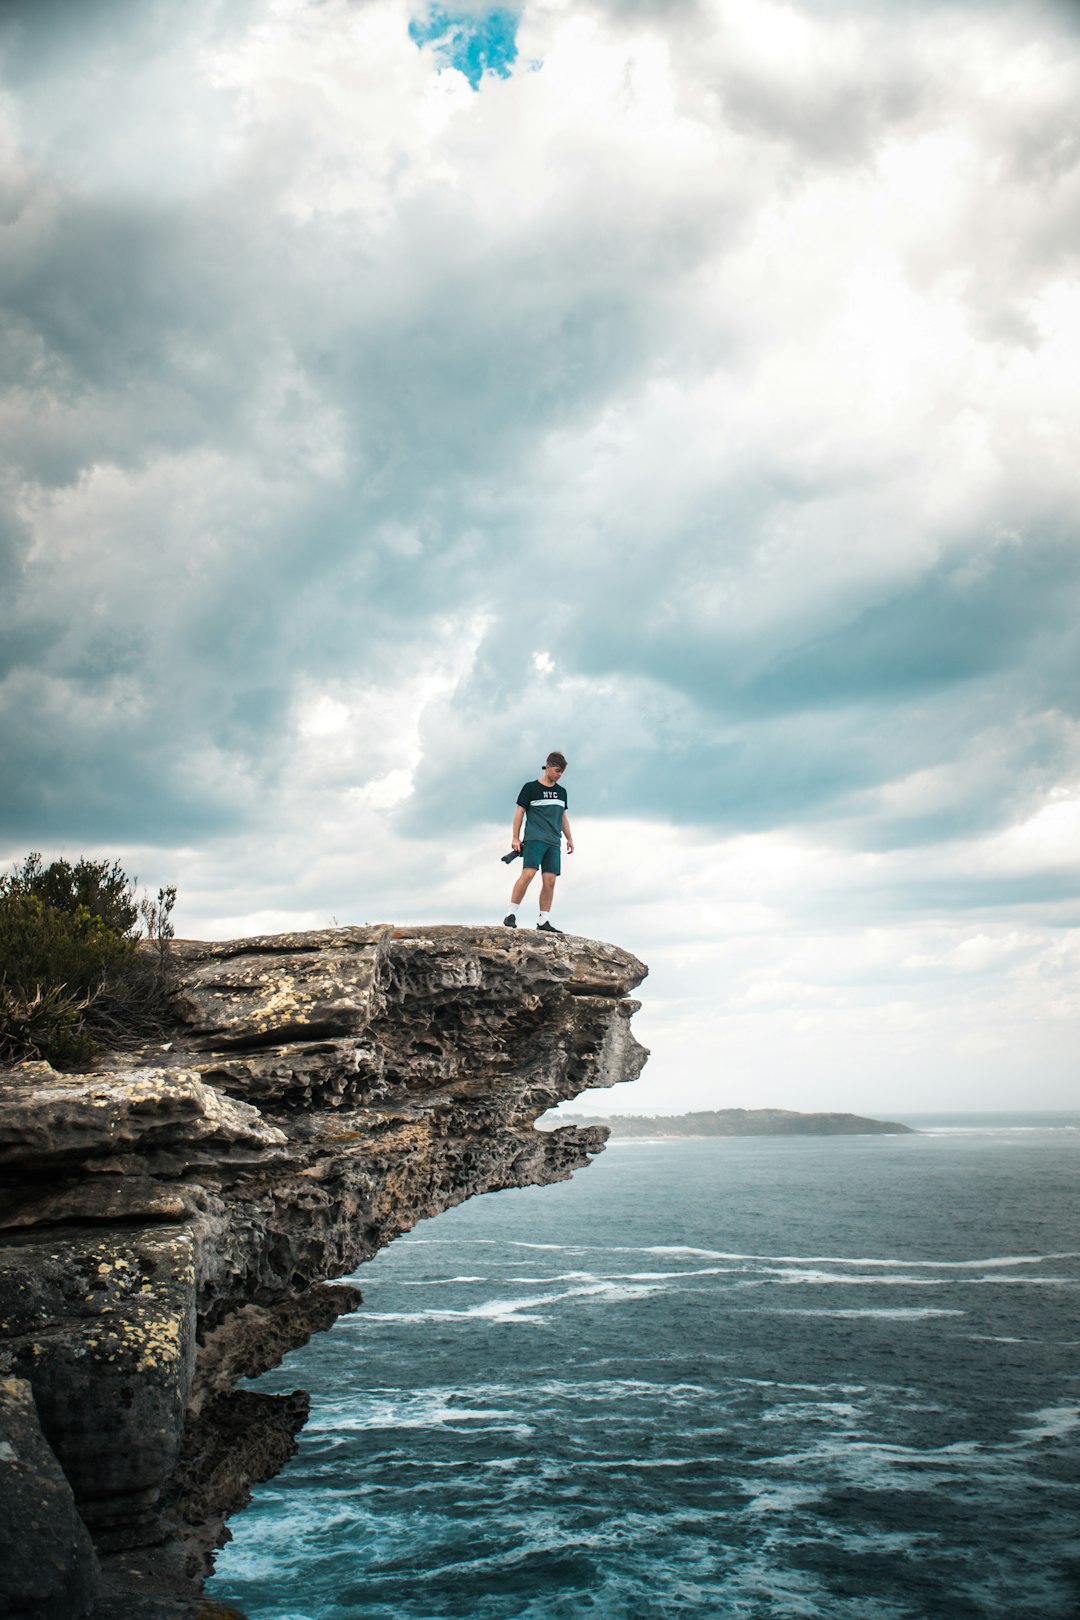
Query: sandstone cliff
[[169, 1222]]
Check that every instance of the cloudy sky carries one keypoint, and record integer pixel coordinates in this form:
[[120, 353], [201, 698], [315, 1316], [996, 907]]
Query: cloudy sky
[[394, 392]]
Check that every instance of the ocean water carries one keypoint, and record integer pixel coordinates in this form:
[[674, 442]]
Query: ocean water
[[833, 1377]]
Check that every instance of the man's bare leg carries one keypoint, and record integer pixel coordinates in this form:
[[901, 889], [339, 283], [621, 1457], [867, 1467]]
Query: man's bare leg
[[547, 891], [517, 893]]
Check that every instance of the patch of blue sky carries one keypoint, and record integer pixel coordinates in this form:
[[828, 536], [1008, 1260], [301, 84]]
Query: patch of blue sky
[[474, 42]]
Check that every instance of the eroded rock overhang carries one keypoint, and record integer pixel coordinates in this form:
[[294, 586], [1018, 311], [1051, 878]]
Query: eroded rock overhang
[[173, 1221]]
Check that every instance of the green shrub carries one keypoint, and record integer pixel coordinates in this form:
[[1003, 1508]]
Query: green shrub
[[46, 1024], [71, 973], [41, 945], [102, 890]]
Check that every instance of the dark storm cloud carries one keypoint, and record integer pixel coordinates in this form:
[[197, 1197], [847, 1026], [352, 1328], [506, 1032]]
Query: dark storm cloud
[[714, 728], [941, 632], [263, 439], [143, 329], [113, 317], [1053, 887], [42, 40]]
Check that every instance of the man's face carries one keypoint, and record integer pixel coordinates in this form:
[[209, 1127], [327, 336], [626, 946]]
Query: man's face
[[551, 774]]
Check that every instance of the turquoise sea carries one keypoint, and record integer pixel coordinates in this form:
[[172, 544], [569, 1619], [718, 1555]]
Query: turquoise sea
[[833, 1377]]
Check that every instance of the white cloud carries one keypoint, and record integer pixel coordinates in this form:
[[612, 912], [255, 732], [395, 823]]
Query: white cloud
[[700, 398]]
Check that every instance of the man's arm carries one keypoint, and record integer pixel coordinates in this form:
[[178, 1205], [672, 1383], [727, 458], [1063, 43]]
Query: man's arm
[[568, 835], [515, 836]]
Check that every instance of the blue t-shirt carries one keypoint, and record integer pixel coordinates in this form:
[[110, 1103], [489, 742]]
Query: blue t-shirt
[[543, 807]]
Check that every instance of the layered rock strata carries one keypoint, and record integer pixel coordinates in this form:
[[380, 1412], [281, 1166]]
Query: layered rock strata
[[170, 1223]]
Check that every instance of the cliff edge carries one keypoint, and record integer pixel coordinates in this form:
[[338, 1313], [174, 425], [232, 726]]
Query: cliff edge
[[170, 1222]]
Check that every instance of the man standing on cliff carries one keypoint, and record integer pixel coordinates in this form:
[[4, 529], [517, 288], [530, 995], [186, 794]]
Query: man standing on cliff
[[542, 805]]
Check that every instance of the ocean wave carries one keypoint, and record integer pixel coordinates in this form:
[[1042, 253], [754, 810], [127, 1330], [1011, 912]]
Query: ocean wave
[[1023, 1282], [693, 1252], [860, 1260], [604, 1390], [782, 1498], [556, 1277], [864, 1280], [1051, 1423], [810, 1389], [628, 1276], [876, 1460], [434, 1409], [1000, 1338], [438, 1282], [814, 1411], [519, 1243], [518, 1309], [645, 1464], [906, 1280], [410, 1242], [899, 1313]]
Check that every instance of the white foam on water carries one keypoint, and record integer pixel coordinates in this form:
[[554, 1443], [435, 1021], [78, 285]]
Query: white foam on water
[[675, 1249], [439, 1282], [436, 1409], [1026, 1282], [863, 1280], [682, 1248], [794, 1594], [519, 1243], [814, 1411], [636, 1464], [849, 1260], [810, 1389], [555, 1277], [696, 1271], [254, 1556], [450, 1394], [899, 1314], [410, 1242], [521, 1310], [500, 1309], [906, 1280], [876, 1462], [512, 1311], [1051, 1423], [608, 1389], [629, 1276], [781, 1498]]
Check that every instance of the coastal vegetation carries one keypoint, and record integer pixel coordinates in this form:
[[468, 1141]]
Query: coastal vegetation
[[84, 960]]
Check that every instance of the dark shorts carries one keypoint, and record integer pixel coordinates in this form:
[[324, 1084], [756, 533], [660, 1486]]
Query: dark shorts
[[548, 857]]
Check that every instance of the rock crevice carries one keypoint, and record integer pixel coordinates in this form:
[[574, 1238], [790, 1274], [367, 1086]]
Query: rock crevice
[[172, 1221]]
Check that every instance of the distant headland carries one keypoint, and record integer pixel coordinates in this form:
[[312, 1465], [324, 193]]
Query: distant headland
[[739, 1122]]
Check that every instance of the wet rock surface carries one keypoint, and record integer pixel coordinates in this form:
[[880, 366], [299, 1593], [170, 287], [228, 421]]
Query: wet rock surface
[[48, 1570], [171, 1222]]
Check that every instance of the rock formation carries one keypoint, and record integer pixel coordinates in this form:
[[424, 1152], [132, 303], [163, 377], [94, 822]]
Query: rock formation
[[170, 1222]]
